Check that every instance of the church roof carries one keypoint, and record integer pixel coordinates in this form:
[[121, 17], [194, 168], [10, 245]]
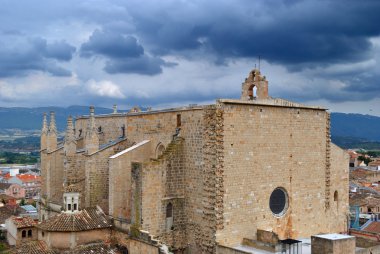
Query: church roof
[[72, 188], [275, 102], [86, 219], [33, 247]]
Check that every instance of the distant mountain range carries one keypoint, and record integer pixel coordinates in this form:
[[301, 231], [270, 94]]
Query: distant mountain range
[[355, 131], [347, 130], [31, 118]]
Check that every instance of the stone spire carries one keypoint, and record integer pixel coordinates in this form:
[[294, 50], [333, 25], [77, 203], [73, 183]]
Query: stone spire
[[255, 87], [70, 136], [52, 133], [91, 139], [70, 143], [52, 126], [44, 133], [91, 124]]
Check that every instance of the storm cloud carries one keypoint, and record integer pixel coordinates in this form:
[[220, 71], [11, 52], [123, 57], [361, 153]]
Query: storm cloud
[[20, 57], [123, 53], [310, 50]]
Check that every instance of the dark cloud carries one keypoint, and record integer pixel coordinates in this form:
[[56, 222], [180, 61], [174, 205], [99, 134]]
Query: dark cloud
[[298, 34], [123, 53], [304, 36], [141, 65], [59, 50], [19, 57], [359, 86], [111, 44]]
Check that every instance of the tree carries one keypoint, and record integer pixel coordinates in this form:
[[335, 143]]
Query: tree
[[22, 202], [366, 160]]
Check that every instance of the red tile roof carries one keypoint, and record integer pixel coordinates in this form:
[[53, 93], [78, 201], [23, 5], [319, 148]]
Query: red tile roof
[[86, 219], [34, 247], [40, 247], [24, 177], [23, 222], [28, 178], [7, 176], [374, 227]]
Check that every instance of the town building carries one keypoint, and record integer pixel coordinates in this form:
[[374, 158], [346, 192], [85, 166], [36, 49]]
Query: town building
[[200, 178], [13, 190], [71, 229], [31, 184], [20, 229]]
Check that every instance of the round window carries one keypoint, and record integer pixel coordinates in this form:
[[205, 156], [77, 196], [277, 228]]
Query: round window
[[278, 202]]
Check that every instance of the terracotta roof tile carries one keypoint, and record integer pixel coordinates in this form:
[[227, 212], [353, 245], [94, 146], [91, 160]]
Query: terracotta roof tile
[[34, 247], [86, 219], [23, 222], [374, 227], [5, 213], [98, 248], [28, 178], [7, 176]]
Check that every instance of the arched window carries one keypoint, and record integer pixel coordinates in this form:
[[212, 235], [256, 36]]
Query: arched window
[[160, 150], [29, 233], [23, 233], [252, 92], [336, 196], [169, 217], [169, 210], [122, 249]]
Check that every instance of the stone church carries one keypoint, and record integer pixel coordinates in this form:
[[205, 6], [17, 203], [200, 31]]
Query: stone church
[[198, 178]]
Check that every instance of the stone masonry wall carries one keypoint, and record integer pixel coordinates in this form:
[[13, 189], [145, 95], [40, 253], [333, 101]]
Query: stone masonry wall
[[213, 177], [111, 126], [160, 128], [120, 191], [339, 208], [75, 174], [268, 147], [56, 176], [44, 180], [52, 176], [167, 173], [193, 147], [97, 175]]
